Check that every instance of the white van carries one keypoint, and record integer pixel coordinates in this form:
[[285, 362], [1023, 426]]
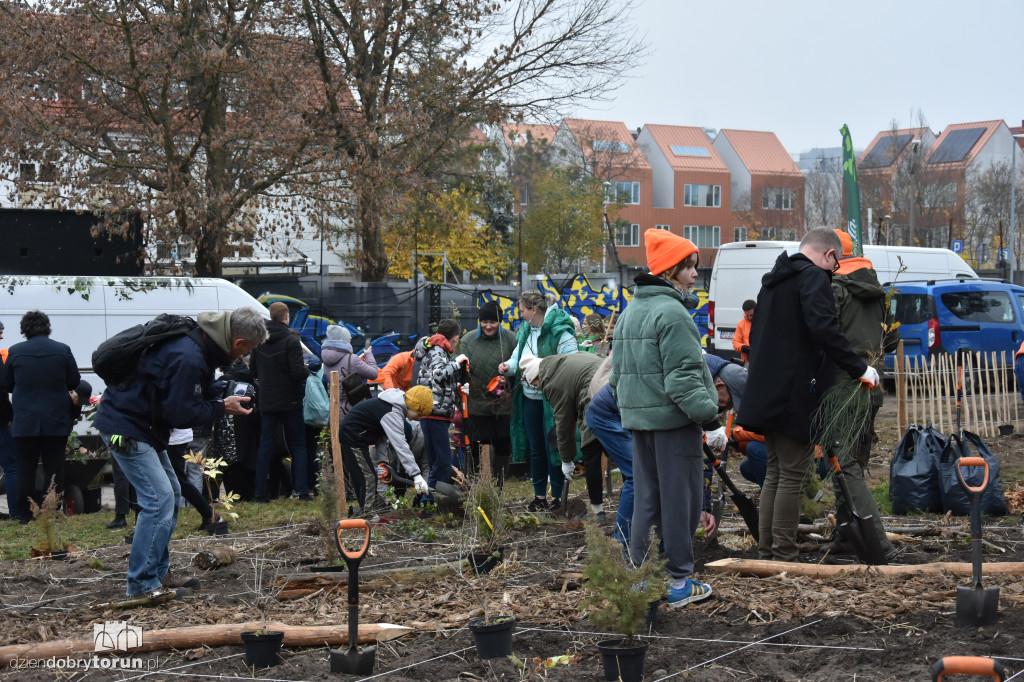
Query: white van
[[84, 311], [739, 266]]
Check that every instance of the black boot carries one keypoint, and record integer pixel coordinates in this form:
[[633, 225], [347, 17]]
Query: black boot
[[118, 522]]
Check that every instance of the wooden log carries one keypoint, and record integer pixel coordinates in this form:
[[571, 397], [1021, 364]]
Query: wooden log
[[901, 388], [339, 470], [762, 568], [215, 558], [209, 635]]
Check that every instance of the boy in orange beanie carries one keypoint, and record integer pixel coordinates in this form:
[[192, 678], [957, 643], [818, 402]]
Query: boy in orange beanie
[[665, 393]]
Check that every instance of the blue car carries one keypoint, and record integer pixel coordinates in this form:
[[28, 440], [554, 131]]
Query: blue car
[[948, 316]]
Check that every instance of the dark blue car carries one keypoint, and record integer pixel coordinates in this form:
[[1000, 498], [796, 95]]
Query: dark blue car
[[947, 316]]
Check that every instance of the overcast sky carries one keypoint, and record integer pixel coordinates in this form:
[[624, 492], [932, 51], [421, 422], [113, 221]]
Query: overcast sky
[[803, 68]]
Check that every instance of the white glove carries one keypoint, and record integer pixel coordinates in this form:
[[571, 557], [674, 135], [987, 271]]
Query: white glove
[[464, 388], [421, 484], [870, 377], [717, 439], [461, 359], [568, 469]]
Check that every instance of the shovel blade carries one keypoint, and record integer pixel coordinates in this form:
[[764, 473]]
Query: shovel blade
[[352, 661], [976, 606]]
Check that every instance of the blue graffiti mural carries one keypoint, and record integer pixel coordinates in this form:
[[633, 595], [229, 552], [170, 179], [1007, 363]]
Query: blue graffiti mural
[[580, 299]]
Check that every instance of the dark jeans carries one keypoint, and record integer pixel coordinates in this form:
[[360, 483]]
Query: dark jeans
[[439, 451], [312, 461], [30, 450], [592, 463], [294, 438], [176, 453], [540, 462], [9, 464], [356, 461]]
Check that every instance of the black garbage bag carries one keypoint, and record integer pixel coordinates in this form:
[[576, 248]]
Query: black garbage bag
[[914, 471], [954, 498]]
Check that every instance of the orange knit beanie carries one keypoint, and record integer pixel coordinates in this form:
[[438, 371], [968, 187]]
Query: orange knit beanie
[[665, 249]]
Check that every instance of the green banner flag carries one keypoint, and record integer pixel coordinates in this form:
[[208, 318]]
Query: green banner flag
[[852, 193]]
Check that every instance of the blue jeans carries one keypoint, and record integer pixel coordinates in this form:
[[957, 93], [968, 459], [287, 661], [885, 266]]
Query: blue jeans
[[294, 438], [437, 445], [157, 489], [755, 463], [618, 443], [9, 464], [541, 467]]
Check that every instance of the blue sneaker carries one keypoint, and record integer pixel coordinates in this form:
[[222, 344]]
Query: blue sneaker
[[691, 592]]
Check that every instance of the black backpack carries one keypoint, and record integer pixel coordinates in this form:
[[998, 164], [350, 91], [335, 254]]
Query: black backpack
[[116, 359]]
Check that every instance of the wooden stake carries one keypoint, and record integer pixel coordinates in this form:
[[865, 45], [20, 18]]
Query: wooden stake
[[986, 406], [932, 393], [976, 416], [485, 463], [339, 469], [947, 382], [901, 388], [913, 389], [208, 635]]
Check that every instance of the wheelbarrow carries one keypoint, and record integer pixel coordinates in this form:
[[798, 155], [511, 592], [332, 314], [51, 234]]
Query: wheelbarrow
[[353, 661], [78, 474]]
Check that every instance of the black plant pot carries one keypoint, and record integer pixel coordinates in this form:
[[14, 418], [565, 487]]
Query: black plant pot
[[623, 663], [1005, 429], [219, 528], [485, 563], [493, 638], [263, 648]]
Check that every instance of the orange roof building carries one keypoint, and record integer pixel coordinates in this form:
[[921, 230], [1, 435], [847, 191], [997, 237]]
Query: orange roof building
[[767, 188]]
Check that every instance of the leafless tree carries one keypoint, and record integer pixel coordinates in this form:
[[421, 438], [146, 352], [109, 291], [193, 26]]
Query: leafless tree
[[823, 194], [406, 82], [186, 115]]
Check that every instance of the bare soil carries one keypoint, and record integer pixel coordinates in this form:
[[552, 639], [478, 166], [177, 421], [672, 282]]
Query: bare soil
[[861, 626]]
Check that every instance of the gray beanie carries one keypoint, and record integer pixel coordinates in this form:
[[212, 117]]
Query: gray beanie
[[735, 379], [336, 332]]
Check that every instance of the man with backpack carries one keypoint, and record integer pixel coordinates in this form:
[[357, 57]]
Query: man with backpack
[[170, 386], [281, 375]]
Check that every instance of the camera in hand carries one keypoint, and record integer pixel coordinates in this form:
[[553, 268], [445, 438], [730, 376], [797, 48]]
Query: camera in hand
[[243, 389]]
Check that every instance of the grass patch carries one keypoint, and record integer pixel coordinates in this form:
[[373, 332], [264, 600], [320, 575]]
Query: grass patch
[[89, 531], [881, 494]]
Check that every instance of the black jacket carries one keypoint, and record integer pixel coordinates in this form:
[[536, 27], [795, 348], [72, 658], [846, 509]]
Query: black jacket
[[794, 334], [279, 371], [39, 373]]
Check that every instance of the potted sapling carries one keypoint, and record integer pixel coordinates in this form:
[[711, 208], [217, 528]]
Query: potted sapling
[[621, 595], [211, 468], [263, 645], [486, 512]]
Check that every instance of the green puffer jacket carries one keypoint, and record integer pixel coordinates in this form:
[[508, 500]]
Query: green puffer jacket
[[485, 354], [658, 373]]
